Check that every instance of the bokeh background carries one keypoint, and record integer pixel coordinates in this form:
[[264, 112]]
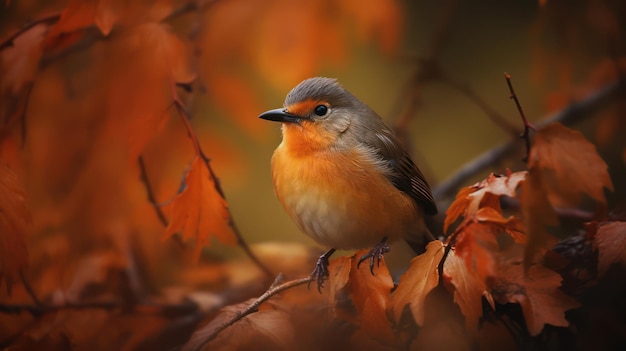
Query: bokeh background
[[89, 88]]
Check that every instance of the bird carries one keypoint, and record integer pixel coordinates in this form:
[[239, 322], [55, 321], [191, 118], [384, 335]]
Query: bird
[[344, 177]]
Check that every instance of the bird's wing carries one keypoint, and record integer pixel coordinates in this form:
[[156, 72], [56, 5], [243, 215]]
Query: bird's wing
[[405, 175]]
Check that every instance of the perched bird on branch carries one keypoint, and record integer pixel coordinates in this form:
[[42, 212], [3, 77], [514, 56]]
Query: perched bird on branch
[[343, 176]]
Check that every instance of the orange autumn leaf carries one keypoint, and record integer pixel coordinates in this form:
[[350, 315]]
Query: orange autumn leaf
[[78, 14], [369, 293], [105, 14], [570, 166], [477, 244], [199, 211], [511, 225], [459, 206], [137, 73], [467, 286], [537, 291], [14, 220], [610, 241], [484, 193], [416, 283], [537, 215]]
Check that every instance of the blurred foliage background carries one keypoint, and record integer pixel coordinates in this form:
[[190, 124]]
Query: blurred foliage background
[[432, 59], [89, 87]]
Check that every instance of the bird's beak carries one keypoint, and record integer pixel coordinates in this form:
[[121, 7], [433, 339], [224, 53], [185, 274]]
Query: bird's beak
[[280, 115]]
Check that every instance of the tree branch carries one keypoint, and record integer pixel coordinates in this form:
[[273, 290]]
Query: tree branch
[[568, 116], [184, 115]]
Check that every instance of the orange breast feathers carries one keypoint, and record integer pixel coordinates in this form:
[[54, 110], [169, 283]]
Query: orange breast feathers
[[341, 199]]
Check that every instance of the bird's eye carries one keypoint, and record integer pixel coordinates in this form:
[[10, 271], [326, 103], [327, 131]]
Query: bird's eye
[[321, 110]]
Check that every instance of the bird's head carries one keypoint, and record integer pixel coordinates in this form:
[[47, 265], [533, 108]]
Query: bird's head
[[317, 114]]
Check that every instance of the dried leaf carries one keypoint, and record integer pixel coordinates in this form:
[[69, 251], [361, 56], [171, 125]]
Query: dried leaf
[[136, 74], [199, 211], [106, 14], [485, 193], [368, 293], [537, 213], [14, 220], [468, 289], [416, 283], [610, 241], [570, 166], [537, 291], [511, 225], [459, 206], [268, 328], [477, 245]]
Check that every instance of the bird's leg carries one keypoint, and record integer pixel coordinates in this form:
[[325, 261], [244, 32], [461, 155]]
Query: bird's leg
[[377, 253], [321, 269]]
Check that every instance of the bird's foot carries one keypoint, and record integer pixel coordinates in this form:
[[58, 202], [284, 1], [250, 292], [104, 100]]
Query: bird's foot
[[321, 270], [376, 253]]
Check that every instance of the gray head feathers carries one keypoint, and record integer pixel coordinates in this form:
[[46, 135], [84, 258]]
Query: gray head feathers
[[323, 89]]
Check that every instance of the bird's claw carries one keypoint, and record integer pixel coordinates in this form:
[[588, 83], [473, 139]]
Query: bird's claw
[[320, 273], [376, 253]]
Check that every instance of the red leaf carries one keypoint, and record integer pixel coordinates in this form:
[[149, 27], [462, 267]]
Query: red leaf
[[369, 294], [477, 244], [511, 225], [537, 215], [199, 211], [537, 291], [485, 193], [570, 166], [468, 288], [416, 283]]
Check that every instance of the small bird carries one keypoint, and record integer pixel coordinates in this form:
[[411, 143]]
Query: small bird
[[343, 176]]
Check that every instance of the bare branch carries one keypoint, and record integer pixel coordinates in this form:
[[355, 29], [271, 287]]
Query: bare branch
[[568, 116], [184, 116]]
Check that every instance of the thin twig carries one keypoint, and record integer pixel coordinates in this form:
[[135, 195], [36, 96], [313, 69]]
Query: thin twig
[[527, 125], [198, 149], [567, 116], [450, 242], [143, 175], [253, 307]]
